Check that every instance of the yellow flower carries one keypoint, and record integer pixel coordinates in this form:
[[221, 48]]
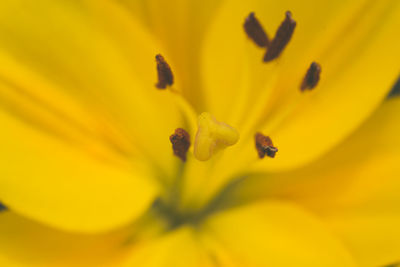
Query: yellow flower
[[282, 152]]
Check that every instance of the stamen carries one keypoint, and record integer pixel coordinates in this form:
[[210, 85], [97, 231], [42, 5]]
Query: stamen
[[180, 143], [255, 31], [165, 76], [281, 39], [264, 146], [212, 136], [312, 77]]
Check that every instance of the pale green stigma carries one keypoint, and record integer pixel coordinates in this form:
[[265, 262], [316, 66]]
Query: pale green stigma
[[212, 136]]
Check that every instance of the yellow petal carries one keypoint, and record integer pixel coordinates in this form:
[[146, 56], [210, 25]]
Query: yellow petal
[[272, 240], [362, 167], [234, 75], [96, 53], [265, 234], [355, 188], [358, 69], [366, 212], [279, 235], [180, 27], [48, 179], [24, 243], [243, 91], [179, 248], [373, 237], [272, 234]]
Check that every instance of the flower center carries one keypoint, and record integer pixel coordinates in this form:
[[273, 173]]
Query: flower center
[[182, 202], [212, 136]]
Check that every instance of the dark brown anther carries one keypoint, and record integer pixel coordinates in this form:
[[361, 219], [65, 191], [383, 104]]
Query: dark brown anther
[[165, 76], [255, 31], [264, 146], [281, 39], [180, 143], [312, 77]]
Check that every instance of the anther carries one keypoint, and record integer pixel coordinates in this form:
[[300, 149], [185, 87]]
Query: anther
[[264, 146], [281, 39], [312, 77], [165, 76], [180, 141], [255, 31]]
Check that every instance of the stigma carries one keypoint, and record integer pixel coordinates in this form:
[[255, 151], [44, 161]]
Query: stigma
[[212, 136]]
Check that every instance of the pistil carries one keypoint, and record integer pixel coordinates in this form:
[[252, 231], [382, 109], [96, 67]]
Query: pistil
[[212, 136]]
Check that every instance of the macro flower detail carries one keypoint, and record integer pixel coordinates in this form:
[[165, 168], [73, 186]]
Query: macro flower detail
[[165, 76], [264, 146], [312, 77], [199, 133], [180, 143], [212, 136], [255, 31]]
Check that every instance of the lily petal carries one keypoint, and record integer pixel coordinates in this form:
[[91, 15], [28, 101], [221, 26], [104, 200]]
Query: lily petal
[[25, 243], [45, 178], [100, 56], [353, 84], [366, 213], [272, 234], [354, 188], [371, 236], [235, 76], [266, 97], [180, 27], [262, 234], [179, 248]]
